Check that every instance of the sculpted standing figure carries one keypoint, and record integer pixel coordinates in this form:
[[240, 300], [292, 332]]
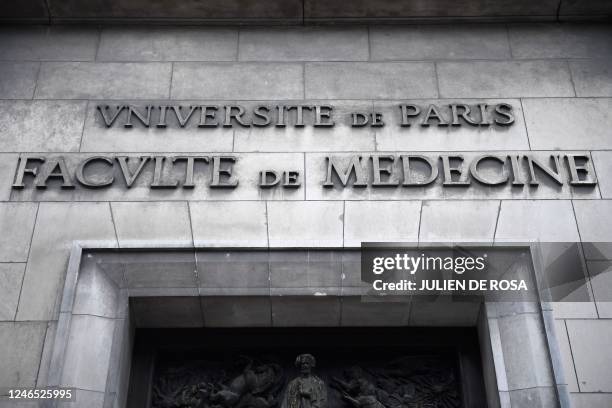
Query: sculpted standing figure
[[307, 390]]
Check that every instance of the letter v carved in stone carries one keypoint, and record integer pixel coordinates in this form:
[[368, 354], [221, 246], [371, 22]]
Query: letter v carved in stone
[[108, 121], [127, 174], [183, 120]]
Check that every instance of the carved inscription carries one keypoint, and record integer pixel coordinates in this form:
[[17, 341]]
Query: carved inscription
[[300, 115], [366, 170], [380, 170]]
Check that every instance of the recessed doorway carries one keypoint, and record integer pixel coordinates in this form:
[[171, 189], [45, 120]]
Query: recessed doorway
[[400, 367]]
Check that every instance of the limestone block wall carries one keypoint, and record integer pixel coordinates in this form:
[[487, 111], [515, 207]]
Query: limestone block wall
[[557, 77]]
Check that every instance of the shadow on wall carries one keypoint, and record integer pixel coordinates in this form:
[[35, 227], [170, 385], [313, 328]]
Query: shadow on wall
[[301, 11]]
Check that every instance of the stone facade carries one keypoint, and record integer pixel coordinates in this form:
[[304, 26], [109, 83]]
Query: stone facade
[[558, 77]]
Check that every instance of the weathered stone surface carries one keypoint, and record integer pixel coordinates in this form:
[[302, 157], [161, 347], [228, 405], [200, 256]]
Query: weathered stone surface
[[453, 314], [121, 361], [593, 365], [11, 275], [600, 273], [566, 356], [107, 80], [525, 351], [351, 271], [246, 168], [573, 297], [85, 398], [149, 224], [304, 44], [39, 126], [18, 79], [504, 79], [544, 397], [546, 221], [356, 312], [222, 224], [393, 137], [6, 402], [592, 77], [560, 40], [22, 344], [380, 221], [17, 223], [98, 295], [458, 221], [168, 44], [236, 273], [503, 309], [88, 352], [50, 249], [305, 272], [603, 167], [594, 218], [316, 171], [152, 273], [323, 311], [569, 123], [341, 137], [371, 80], [8, 164], [574, 310], [592, 215], [248, 218], [594, 400], [48, 43], [305, 223], [112, 266], [243, 311], [439, 42], [42, 379], [169, 311], [99, 138], [237, 81]]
